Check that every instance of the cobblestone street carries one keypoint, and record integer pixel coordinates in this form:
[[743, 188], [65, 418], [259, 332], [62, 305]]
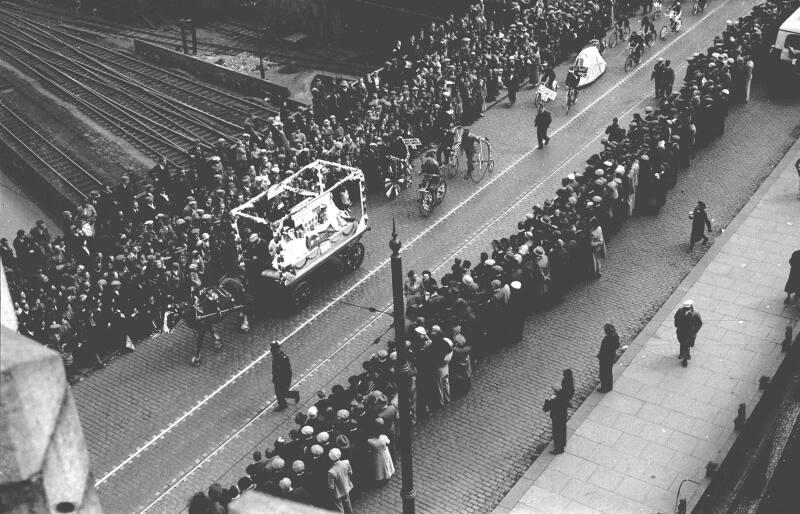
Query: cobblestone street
[[159, 430]]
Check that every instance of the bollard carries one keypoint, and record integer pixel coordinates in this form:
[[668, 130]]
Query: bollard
[[787, 338], [711, 468], [763, 382], [741, 417]]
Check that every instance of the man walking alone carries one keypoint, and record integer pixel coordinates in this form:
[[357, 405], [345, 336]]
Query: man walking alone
[[542, 124], [282, 376], [687, 325], [700, 222]]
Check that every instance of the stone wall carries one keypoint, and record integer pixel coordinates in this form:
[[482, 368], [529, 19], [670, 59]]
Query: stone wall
[[44, 462]]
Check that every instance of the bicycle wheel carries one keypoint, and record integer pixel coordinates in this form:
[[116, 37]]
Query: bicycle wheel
[[695, 8], [626, 33], [613, 39], [650, 39], [629, 62], [426, 204], [481, 160], [663, 32], [442, 191]]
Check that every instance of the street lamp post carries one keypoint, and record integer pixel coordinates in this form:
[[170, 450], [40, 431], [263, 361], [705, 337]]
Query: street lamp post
[[407, 491]]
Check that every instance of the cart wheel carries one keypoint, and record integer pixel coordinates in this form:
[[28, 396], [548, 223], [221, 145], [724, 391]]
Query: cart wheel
[[301, 296], [650, 39], [355, 256], [426, 204], [663, 32]]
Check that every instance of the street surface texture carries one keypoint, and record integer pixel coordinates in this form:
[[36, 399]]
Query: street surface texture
[[158, 430], [646, 443]]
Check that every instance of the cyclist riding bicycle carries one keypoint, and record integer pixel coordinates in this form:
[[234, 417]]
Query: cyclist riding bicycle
[[548, 75], [431, 173], [447, 138], [636, 44], [647, 26], [676, 14], [468, 142], [621, 24], [573, 80]]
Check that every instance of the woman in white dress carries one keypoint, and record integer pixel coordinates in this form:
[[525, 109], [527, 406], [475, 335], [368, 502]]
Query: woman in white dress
[[383, 467]]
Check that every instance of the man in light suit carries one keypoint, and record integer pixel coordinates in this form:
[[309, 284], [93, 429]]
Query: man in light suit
[[339, 483]]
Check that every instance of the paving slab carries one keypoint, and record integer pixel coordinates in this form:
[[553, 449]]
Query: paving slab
[[643, 442]]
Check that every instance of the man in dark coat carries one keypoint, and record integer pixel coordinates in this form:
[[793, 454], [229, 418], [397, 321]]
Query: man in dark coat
[[700, 222], [687, 325], [542, 123], [557, 406], [658, 77], [667, 78], [282, 376], [793, 283], [606, 356]]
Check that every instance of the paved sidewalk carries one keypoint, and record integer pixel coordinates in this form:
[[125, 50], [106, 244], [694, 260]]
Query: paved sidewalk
[[633, 449]]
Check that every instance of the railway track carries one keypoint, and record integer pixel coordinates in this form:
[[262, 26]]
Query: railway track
[[45, 157], [246, 36], [158, 111]]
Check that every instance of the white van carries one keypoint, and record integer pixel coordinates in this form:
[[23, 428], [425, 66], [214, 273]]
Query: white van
[[787, 44]]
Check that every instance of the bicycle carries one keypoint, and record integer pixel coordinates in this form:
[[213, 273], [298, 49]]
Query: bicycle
[[673, 24], [484, 163], [430, 195], [572, 96], [650, 38], [452, 159], [699, 6], [656, 11], [621, 33], [633, 58]]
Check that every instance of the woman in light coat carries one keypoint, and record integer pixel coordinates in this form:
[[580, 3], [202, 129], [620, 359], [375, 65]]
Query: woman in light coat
[[383, 467]]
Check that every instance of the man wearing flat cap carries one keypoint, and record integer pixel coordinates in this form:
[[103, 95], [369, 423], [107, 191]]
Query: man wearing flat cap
[[687, 325]]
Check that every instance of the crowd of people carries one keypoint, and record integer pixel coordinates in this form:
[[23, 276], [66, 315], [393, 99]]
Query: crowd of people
[[473, 309], [127, 257]]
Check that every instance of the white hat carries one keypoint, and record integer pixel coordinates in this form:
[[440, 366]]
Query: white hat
[[516, 285], [335, 454], [688, 303]]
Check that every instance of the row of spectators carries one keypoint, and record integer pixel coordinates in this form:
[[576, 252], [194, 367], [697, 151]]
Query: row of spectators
[[127, 256], [474, 309]]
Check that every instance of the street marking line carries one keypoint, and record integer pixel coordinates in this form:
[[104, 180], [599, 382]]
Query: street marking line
[[376, 318], [383, 263], [256, 417]]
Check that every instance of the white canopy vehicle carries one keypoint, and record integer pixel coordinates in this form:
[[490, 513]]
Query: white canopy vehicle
[[312, 220], [590, 59], [787, 45]]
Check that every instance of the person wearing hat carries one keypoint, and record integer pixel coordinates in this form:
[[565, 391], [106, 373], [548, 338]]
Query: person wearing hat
[[339, 481], [296, 494], [687, 324], [282, 376], [700, 223], [557, 405], [542, 123], [658, 77], [667, 78]]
